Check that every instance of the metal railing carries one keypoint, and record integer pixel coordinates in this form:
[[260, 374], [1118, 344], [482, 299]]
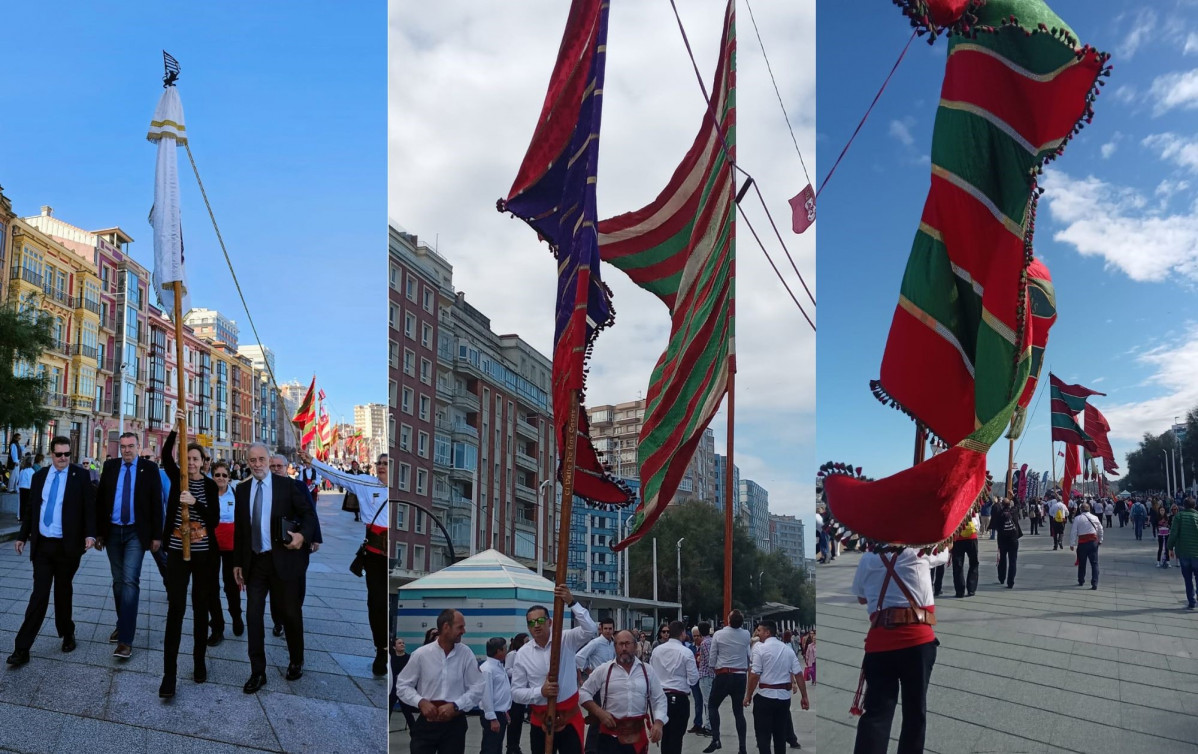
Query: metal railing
[[87, 352]]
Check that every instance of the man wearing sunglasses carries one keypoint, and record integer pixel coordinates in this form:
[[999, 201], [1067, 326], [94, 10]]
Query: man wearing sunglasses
[[65, 528], [531, 684], [128, 522]]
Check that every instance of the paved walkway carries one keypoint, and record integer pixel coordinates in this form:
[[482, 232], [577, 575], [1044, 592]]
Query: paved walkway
[[691, 744], [1045, 667], [89, 700]]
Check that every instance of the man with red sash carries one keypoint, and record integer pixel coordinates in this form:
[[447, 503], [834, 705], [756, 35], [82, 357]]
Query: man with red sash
[[372, 501], [1086, 536], [900, 648], [624, 695], [531, 684], [965, 545]]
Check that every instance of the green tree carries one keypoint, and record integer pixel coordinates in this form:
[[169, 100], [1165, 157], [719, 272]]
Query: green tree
[[25, 334], [1146, 464]]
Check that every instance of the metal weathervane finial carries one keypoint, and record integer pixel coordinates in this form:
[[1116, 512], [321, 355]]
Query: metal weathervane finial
[[170, 69]]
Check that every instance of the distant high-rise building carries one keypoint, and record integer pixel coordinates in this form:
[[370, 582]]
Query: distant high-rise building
[[211, 324], [786, 536], [720, 484], [259, 356], [755, 509], [371, 418], [293, 393]]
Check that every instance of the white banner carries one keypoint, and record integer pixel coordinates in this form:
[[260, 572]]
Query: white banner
[[168, 131]]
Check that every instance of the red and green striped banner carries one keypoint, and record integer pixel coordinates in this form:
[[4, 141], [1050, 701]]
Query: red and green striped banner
[[682, 248]]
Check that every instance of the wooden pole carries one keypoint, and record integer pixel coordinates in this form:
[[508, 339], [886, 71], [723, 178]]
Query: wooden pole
[[1010, 468], [1052, 453], [921, 443], [181, 444], [729, 491], [563, 555]]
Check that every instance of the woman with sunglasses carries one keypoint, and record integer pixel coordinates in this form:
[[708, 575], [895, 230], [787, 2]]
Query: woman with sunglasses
[[222, 559], [203, 517]]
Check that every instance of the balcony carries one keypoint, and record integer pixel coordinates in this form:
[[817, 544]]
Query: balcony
[[445, 357], [466, 399], [445, 391], [87, 352], [462, 430], [528, 429], [58, 296], [526, 461], [441, 463], [29, 276], [525, 493], [56, 400], [83, 403], [106, 364], [457, 472], [79, 302], [108, 323], [59, 346]]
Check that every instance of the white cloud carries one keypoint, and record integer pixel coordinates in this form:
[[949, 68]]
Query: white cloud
[[1125, 94], [1191, 44], [1174, 90], [1108, 149], [1166, 189], [901, 130], [1179, 150], [1116, 224], [1173, 367], [1141, 29]]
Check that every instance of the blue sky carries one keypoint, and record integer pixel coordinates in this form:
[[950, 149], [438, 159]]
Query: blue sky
[[1116, 226], [287, 117]]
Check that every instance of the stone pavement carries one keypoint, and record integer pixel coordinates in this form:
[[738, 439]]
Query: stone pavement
[[89, 700], [1046, 666], [691, 744]]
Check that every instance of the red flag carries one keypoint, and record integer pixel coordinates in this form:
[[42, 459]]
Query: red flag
[[1097, 428], [1072, 467], [321, 392], [802, 210]]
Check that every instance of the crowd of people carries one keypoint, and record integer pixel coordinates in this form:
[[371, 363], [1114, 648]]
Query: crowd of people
[[616, 690], [252, 526]]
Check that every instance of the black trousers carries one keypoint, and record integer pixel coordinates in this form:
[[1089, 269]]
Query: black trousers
[[436, 738], [612, 745], [178, 573], [678, 710], [965, 582], [887, 674], [724, 686], [263, 579], [937, 580], [565, 741], [493, 740], [1087, 552], [1035, 521], [515, 724], [221, 566], [1008, 554], [771, 722], [376, 599], [53, 569], [1058, 533]]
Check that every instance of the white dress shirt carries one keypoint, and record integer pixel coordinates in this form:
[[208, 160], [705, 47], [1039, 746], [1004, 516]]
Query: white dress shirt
[[372, 494], [626, 695], [55, 527], [266, 486], [1057, 506], [510, 662], [435, 676], [1085, 523], [730, 648], [774, 662], [675, 666], [914, 570], [531, 667], [597, 651], [497, 689]]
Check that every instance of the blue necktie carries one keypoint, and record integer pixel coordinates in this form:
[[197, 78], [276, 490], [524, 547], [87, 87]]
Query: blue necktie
[[126, 494], [48, 516]]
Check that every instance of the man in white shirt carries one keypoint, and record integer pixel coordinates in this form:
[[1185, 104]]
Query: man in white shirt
[[1086, 536], [1057, 513], [497, 696], [729, 657], [774, 670], [599, 650], [676, 669], [532, 686], [442, 680], [622, 694]]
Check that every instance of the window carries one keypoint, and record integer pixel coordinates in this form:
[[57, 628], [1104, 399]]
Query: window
[[409, 325], [426, 371], [409, 362], [420, 525], [401, 517], [425, 407], [441, 450], [405, 476], [406, 404], [417, 557], [393, 354], [391, 312], [394, 277], [426, 335], [392, 392], [428, 299], [411, 287], [400, 553], [422, 445], [405, 437], [421, 482]]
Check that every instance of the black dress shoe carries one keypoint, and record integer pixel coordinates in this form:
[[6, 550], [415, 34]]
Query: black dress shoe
[[238, 626], [794, 744], [1093, 586], [68, 643], [167, 689], [216, 638], [715, 744], [18, 657], [114, 637], [278, 630], [256, 681], [294, 672], [201, 673], [380, 662]]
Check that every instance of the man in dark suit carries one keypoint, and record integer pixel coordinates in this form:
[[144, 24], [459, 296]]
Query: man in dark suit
[[278, 465], [128, 522], [272, 523], [62, 502]]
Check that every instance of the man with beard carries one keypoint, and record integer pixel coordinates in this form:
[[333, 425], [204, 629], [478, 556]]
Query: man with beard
[[599, 650], [621, 695], [442, 680], [531, 684]]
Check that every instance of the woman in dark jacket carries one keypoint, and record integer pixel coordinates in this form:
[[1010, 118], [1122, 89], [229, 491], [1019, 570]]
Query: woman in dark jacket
[[1005, 522], [200, 498]]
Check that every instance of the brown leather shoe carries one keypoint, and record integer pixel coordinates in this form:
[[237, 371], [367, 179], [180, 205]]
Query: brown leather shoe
[[123, 651]]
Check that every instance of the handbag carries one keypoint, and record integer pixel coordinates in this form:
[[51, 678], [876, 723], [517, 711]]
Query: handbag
[[350, 503], [358, 566]]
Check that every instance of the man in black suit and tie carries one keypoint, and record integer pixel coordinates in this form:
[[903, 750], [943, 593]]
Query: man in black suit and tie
[[278, 465], [272, 521], [60, 528], [128, 522]]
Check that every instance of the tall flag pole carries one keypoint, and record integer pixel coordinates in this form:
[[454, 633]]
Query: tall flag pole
[[168, 131], [554, 192]]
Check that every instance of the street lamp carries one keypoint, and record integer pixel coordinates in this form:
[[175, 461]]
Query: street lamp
[[540, 541], [1180, 457], [678, 546], [1168, 484]]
